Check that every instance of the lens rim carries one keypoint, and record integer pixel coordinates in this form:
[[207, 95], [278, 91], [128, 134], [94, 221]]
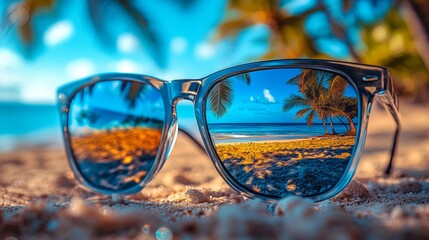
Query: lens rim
[[264, 194], [348, 71], [68, 93]]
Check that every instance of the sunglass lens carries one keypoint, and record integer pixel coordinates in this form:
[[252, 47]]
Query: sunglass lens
[[115, 129], [281, 132]]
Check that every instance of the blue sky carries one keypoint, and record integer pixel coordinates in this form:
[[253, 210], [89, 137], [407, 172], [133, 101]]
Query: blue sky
[[69, 48], [262, 100]]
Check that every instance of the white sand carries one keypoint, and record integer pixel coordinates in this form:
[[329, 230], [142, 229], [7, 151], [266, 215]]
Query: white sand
[[39, 199]]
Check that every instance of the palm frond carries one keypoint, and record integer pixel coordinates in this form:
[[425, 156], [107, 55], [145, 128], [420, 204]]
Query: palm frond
[[298, 43], [324, 76], [183, 3], [103, 12], [294, 101], [81, 95], [252, 6], [295, 80], [87, 91], [337, 86], [307, 77], [347, 5], [20, 18], [132, 92], [231, 28], [221, 98], [136, 89], [245, 77], [32, 8], [301, 113]]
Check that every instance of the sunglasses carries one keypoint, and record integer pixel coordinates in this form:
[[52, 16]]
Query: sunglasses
[[272, 129]]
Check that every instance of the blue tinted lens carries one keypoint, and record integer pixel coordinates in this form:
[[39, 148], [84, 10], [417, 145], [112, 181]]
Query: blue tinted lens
[[115, 129], [284, 132]]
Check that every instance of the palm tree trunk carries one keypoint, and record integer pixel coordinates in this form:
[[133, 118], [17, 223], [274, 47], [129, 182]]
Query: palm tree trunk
[[332, 125], [352, 131], [344, 124], [324, 126], [339, 31]]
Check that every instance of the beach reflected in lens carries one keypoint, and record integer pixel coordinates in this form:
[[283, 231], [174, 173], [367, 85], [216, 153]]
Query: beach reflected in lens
[[115, 129], [284, 132]]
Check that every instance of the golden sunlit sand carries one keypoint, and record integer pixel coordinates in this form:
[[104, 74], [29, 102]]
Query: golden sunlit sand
[[117, 144], [117, 158], [300, 166], [296, 149]]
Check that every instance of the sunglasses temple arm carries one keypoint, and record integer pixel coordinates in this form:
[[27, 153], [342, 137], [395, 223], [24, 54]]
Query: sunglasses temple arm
[[390, 101], [389, 167]]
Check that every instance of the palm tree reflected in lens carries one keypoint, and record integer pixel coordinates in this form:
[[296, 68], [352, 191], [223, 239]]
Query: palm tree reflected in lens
[[284, 131]]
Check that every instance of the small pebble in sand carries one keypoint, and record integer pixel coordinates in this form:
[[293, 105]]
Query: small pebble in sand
[[398, 213], [146, 228], [104, 210], [354, 191], [77, 206], [196, 196], [296, 206], [163, 233], [11, 238]]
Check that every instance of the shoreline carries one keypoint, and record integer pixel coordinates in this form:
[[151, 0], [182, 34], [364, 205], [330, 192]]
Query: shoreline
[[257, 141]]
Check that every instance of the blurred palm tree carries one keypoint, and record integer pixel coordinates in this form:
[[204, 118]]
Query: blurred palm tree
[[285, 40], [387, 41], [390, 43], [416, 13], [20, 17]]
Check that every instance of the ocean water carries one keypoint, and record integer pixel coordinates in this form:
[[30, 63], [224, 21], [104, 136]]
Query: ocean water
[[106, 119], [242, 132], [39, 124], [29, 124], [33, 124]]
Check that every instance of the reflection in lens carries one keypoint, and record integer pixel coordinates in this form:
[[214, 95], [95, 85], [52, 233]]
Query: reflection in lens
[[284, 132], [115, 129]]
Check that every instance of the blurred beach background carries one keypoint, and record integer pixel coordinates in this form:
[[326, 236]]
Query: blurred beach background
[[46, 43]]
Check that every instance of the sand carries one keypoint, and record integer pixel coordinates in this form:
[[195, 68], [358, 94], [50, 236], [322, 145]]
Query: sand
[[301, 167], [118, 158], [188, 199]]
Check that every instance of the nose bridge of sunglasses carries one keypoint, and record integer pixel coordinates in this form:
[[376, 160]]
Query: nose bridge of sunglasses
[[184, 89]]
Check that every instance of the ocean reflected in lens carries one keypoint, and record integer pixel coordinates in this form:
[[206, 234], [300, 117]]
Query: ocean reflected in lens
[[115, 129], [283, 132]]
